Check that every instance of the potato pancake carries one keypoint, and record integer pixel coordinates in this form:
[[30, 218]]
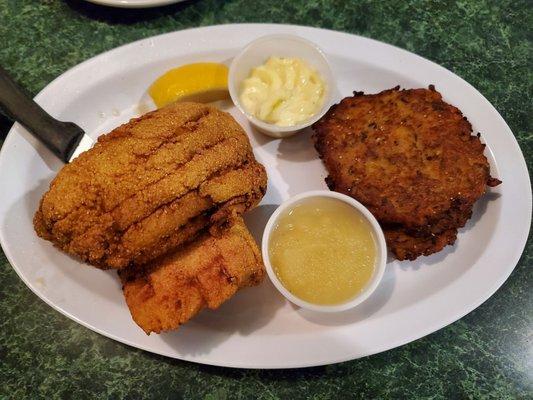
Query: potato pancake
[[410, 158]]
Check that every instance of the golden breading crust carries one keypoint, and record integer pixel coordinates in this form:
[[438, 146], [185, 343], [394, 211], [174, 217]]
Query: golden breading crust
[[410, 158], [170, 291], [131, 197]]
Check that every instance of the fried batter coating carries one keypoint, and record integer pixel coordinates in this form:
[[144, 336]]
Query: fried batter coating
[[410, 158], [406, 246], [171, 290], [130, 198]]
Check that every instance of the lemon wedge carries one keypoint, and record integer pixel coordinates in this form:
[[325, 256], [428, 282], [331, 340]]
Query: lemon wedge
[[201, 82]]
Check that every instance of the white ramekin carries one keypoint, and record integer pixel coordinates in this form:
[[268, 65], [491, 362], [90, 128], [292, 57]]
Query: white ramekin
[[257, 53], [381, 253]]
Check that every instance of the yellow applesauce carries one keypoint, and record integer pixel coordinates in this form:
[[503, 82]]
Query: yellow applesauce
[[323, 251]]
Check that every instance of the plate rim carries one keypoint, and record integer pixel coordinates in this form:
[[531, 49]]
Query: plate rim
[[134, 4], [390, 345]]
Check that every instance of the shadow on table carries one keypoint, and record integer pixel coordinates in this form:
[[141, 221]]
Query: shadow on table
[[126, 16]]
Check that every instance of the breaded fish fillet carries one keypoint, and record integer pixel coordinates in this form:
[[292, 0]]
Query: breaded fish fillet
[[171, 290], [410, 158], [151, 185]]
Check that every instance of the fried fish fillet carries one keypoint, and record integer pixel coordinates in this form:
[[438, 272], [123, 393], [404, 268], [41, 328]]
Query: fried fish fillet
[[411, 159], [151, 185], [171, 290]]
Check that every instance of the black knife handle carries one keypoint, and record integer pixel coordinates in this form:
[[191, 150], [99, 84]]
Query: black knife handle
[[60, 137]]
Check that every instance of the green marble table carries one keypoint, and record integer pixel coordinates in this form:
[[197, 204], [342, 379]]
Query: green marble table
[[487, 354]]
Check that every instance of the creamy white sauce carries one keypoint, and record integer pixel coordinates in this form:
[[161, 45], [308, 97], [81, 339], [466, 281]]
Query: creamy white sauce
[[283, 91]]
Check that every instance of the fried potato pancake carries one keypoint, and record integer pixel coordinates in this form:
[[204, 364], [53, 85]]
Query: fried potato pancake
[[410, 158], [168, 292], [409, 246], [150, 185]]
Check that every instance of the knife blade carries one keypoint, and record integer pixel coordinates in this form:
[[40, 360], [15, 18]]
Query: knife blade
[[85, 144]]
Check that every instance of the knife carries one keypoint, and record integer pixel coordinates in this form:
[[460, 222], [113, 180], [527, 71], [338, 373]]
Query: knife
[[65, 139]]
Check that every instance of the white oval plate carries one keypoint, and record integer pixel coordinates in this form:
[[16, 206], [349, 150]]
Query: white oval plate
[[134, 3], [258, 328]]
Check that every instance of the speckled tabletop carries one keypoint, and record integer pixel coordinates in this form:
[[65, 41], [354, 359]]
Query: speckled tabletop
[[487, 354]]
